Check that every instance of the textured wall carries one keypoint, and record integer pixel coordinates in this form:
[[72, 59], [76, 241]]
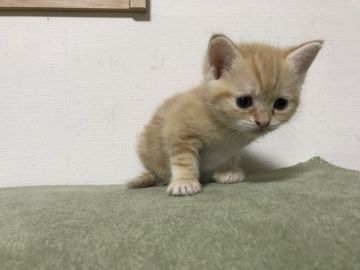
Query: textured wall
[[76, 90]]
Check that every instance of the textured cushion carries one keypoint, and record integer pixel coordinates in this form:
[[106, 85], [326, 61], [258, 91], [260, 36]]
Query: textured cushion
[[303, 217]]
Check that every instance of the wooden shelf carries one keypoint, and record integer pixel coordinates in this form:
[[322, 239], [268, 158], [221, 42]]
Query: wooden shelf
[[75, 5]]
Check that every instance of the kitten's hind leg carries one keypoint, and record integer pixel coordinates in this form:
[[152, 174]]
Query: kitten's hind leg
[[229, 172], [144, 180]]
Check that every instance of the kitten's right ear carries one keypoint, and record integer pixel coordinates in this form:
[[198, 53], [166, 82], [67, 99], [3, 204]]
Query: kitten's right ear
[[300, 58], [220, 55]]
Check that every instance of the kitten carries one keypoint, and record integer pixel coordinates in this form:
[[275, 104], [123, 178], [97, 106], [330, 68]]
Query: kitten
[[248, 90]]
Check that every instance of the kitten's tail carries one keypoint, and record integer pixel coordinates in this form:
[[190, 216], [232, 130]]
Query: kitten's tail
[[144, 180]]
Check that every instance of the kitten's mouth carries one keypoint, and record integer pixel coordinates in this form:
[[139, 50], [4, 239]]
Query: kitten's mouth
[[256, 129], [260, 130]]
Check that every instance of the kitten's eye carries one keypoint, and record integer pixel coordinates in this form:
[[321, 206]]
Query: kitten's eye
[[244, 102], [280, 104]]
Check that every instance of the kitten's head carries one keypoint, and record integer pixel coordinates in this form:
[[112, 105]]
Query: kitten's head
[[255, 87]]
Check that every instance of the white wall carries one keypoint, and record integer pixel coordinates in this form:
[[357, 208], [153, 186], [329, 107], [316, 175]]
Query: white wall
[[75, 90]]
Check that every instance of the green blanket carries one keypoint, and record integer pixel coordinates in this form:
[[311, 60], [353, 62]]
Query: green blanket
[[303, 217]]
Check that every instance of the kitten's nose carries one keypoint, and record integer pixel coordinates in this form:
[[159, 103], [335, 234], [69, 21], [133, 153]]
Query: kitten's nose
[[262, 124]]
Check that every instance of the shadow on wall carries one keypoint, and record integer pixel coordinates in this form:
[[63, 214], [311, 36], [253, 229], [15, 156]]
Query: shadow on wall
[[144, 16], [251, 163]]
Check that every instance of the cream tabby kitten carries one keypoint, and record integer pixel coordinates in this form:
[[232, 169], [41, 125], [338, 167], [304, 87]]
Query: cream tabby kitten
[[247, 91]]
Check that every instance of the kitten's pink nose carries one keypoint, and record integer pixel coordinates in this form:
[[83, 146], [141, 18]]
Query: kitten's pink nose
[[262, 124]]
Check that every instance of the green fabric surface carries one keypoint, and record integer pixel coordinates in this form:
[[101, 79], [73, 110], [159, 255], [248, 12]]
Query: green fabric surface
[[303, 217]]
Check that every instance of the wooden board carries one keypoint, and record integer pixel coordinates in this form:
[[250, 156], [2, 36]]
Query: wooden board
[[137, 4], [77, 5]]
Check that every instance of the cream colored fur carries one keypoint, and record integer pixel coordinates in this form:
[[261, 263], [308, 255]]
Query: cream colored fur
[[198, 134]]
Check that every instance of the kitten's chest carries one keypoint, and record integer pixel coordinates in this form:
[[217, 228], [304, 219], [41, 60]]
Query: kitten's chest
[[214, 155]]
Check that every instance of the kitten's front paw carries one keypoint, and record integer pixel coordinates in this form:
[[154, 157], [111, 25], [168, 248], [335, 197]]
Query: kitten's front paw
[[234, 176], [183, 188]]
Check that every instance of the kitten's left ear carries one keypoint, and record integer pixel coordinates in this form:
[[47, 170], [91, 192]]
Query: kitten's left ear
[[220, 55], [300, 58]]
